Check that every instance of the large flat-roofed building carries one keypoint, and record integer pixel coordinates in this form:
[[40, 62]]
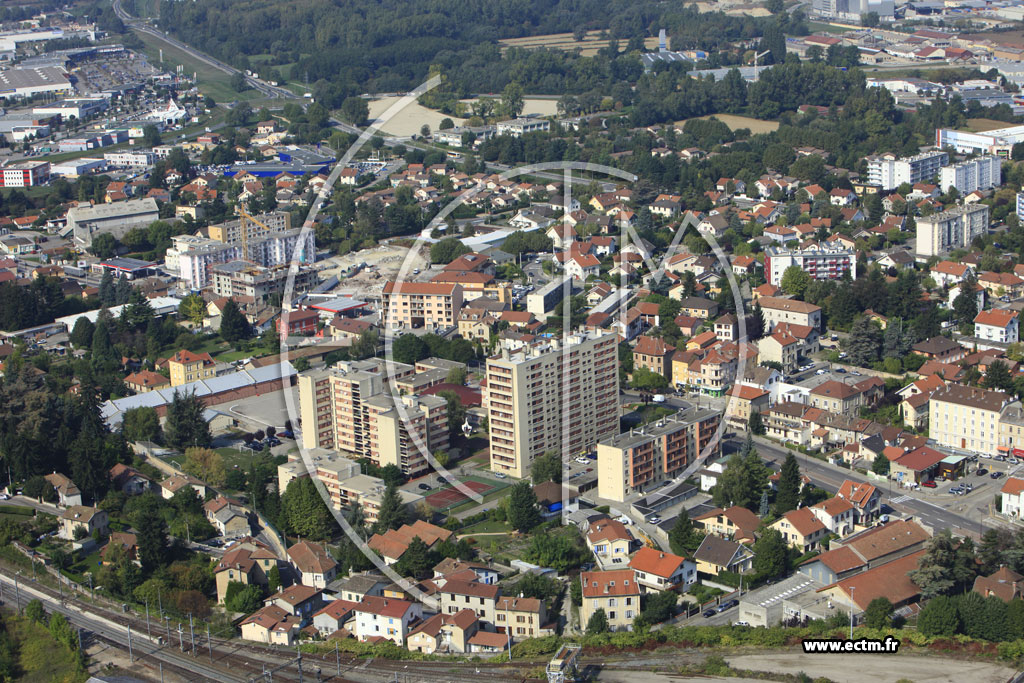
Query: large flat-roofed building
[[821, 261], [116, 219], [560, 394], [953, 229], [889, 172], [430, 305], [25, 174], [193, 257], [77, 107], [982, 173], [998, 142], [548, 297], [641, 459], [20, 82], [350, 408], [521, 126]]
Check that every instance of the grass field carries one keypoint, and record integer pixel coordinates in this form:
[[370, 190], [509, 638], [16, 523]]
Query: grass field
[[735, 122], [232, 458], [982, 125], [589, 46], [41, 659], [487, 526], [212, 81]]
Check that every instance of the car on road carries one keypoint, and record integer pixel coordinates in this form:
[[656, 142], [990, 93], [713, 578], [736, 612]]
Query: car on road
[[956, 491], [820, 371], [424, 487], [654, 520], [1000, 458], [929, 484], [981, 472], [4, 496], [742, 623], [985, 455], [841, 371], [996, 475], [658, 398], [499, 475], [710, 612]]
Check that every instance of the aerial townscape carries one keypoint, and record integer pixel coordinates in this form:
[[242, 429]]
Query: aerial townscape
[[561, 340]]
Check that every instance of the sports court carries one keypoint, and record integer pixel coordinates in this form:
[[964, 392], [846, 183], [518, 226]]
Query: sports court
[[445, 499]]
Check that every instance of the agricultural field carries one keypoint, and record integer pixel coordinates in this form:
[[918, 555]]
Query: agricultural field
[[736, 122], [982, 125]]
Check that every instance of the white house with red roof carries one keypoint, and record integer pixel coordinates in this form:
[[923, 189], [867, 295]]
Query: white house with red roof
[[1012, 503], [658, 571], [946, 273], [865, 498], [388, 618], [998, 325], [837, 514]]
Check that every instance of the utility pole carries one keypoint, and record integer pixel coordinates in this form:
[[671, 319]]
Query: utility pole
[[853, 606], [209, 643], [79, 640], [148, 634], [298, 650], [131, 657], [191, 633], [161, 671], [167, 621], [337, 658], [17, 592]]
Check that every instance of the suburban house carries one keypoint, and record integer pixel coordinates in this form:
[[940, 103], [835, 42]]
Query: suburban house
[[84, 521], [298, 600], [334, 616], [716, 554], [247, 561], [441, 633], [1004, 583], [837, 514], [658, 571], [271, 624], [385, 618], [459, 594], [865, 498], [736, 523], [129, 480], [314, 566], [1012, 505], [801, 529], [998, 325], [610, 541], [523, 617], [67, 493], [226, 517]]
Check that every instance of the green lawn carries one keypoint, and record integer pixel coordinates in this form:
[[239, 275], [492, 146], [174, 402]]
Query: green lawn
[[231, 356], [487, 526], [231, 456], [212, 81], [89, 563]]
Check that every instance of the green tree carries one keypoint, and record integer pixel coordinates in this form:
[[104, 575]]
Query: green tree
[[392, 513], [273, 579], [205, 464], [417, 560], [409, 348], [523, 513], [598, 622], [947, 565], [684, 538], [34, 611], [965, 305], [81, 334], [771, 556], [880, 465], [233, 325], [192, 308], [512, 101], [879, 613], [939, 617], [244, 598], [141, 424], [742, 481], [795, 281], [305, 510], [151, 534], [787, 495], [456, 376], [756, 423], [864, 343], [185, 425], [447, 250], [355, 110], [998, 377], [547, 467]]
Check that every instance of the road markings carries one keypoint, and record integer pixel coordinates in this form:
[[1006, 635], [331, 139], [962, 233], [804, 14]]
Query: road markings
[[900, 499]]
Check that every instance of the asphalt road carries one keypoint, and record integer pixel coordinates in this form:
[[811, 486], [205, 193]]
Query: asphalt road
[[936, 513]]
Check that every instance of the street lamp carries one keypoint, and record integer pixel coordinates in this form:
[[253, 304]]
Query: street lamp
[[853, 606]]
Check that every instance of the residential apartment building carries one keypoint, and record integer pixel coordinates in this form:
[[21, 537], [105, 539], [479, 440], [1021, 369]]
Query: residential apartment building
[[230, 232], [520, 617], [430, 305], [521, 126], [822, 261], [801, 529], [642, 459], [616, 592], [186, 367], [457, 595], [652, 353], [560, 394], [248, 282], [779, 310], [966, 417], [349, 407], [192, 258], [953, 229], [998, 324], [889, 172], [386, 618], [658, 571], [981, 173]]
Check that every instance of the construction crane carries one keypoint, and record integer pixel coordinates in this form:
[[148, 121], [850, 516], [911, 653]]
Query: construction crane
[[245, 216]]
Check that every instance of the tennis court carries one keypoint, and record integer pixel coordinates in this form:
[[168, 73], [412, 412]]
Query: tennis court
[[450, 497]]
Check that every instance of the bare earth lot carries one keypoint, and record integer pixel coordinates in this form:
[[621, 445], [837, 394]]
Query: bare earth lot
[[734, 122], [878, 668]]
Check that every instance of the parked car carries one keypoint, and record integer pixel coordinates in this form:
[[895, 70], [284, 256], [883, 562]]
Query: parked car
[[728, 604], [742, 623], [424, 487], [710, 612], [985, 455], [981, 472], [1000, 458], [996, 475], [841, 371], [286, 434], [499, 475], [928, 484]]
